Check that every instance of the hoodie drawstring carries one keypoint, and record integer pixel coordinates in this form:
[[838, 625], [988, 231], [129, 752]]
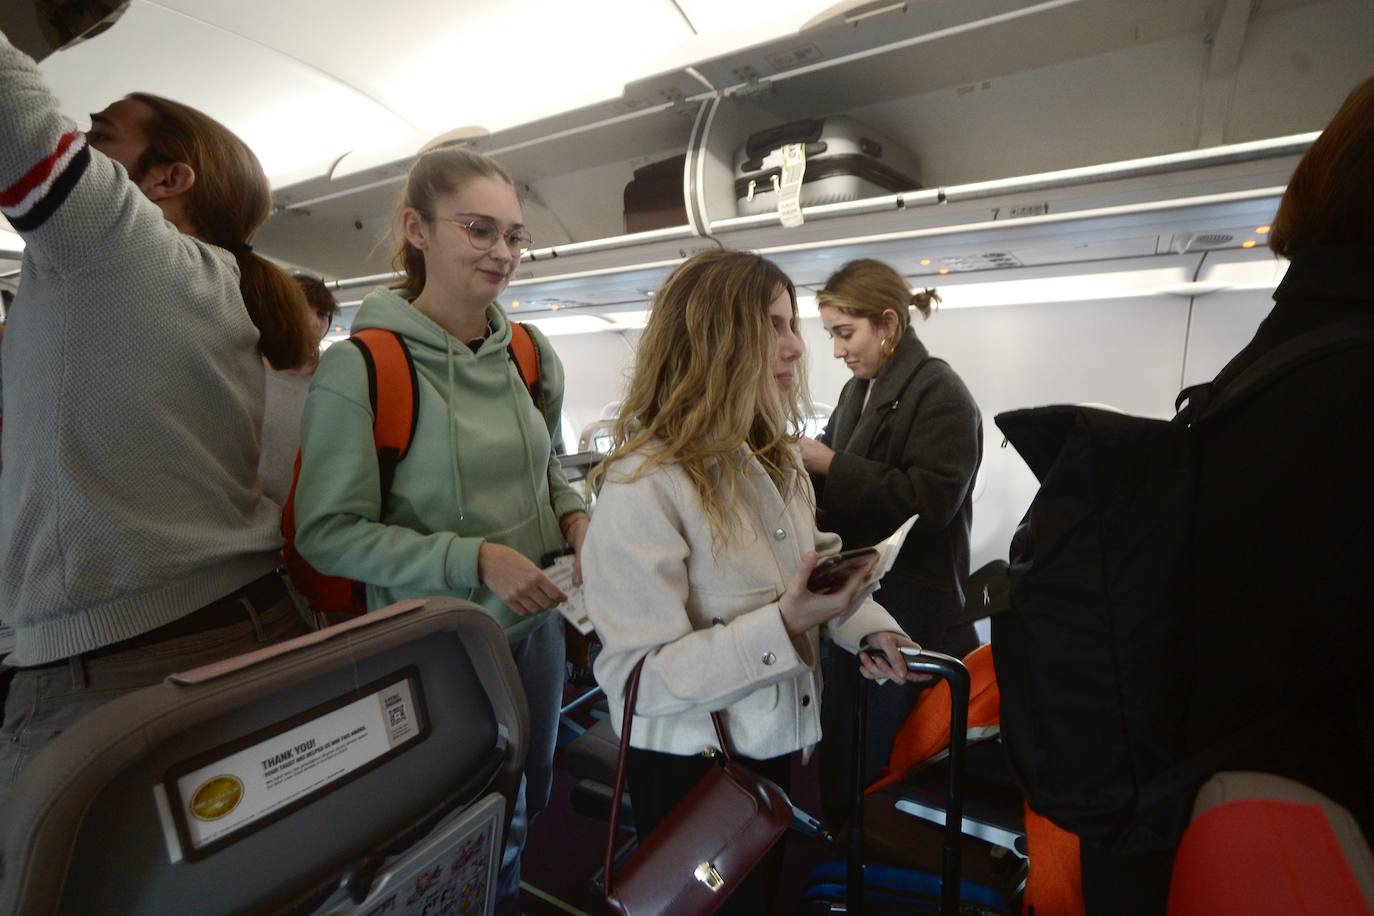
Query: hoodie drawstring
[[453, 434], [519, 398]]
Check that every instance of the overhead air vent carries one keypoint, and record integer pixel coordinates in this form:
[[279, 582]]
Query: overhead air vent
[[1202, 241], [988, 260]]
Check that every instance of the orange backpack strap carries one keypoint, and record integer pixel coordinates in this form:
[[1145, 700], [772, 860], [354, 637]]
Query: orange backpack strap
[[524, 352], [393, 391]]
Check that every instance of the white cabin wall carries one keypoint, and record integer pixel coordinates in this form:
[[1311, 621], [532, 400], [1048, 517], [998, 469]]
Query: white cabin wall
[[596, 367], [1223, 323]]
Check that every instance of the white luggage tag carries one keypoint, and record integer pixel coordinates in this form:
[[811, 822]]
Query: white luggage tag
[[789, 190]]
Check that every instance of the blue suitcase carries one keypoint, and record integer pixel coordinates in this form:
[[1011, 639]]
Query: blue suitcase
[[849, 886], [889, 889]]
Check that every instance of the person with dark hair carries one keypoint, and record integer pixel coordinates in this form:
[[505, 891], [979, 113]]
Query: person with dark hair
[[1282, 632], [480, 496], [323, 306], [906, 438], [286, 392], [134, 541]]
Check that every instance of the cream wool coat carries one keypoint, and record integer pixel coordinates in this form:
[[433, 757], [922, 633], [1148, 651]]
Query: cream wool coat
[[708, 619]]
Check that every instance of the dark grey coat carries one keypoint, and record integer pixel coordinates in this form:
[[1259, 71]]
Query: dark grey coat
[[915, 450]]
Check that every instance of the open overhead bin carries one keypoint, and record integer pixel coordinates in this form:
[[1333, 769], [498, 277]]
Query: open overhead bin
[[1045, 133]]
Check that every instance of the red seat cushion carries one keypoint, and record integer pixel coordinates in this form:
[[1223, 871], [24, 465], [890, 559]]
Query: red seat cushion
[[1261, 856]]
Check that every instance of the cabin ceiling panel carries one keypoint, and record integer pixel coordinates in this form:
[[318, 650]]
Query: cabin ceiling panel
[[448, 63], [759, 19], [297, 118]]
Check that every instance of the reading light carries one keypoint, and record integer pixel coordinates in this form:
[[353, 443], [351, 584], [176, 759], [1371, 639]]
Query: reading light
[[1248, 243], [1262, 230], [925, 262], [943, 271]]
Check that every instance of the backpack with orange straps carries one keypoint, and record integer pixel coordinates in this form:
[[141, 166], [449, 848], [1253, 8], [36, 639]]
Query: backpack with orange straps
[[393, 391]]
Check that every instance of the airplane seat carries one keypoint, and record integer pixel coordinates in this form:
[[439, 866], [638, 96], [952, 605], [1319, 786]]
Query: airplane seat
[[355, 769], [1262, 844], [591, 760], [596, 436]]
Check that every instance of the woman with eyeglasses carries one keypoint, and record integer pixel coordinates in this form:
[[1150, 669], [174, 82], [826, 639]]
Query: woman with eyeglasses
[[479, 496]]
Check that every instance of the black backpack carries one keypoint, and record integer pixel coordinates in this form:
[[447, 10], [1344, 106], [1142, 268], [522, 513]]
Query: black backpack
[[1092, 654]]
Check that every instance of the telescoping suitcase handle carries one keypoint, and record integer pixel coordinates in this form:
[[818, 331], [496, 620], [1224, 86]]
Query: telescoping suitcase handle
[[937, 664]]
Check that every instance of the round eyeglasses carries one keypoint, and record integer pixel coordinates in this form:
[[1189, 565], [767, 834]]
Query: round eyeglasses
[[483, 232]]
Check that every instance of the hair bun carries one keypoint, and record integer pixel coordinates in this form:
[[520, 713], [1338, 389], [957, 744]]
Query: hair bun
[[925, 301]]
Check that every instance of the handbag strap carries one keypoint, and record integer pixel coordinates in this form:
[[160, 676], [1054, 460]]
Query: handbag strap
[[631, 695]]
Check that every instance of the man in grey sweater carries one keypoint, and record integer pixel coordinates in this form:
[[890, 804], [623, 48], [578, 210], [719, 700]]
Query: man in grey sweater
[[134, 541]]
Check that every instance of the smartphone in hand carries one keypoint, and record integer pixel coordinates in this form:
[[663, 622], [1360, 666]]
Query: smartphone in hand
[[832, 572]]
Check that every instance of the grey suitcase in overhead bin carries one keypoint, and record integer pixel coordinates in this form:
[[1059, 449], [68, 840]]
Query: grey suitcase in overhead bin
[[845, 160]]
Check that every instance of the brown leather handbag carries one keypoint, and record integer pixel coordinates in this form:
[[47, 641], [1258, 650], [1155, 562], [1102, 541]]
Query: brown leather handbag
[[705, 846]]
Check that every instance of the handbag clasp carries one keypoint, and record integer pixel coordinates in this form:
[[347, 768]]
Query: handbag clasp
[[706, 873]]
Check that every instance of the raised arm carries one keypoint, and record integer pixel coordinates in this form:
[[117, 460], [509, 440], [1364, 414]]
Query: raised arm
[[74, 207]]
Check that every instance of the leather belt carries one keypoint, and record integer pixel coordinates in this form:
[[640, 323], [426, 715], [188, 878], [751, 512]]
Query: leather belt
[[261, 593]]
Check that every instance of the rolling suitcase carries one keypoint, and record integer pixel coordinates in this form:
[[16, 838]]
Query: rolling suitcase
[[852, 887], [844, 161]]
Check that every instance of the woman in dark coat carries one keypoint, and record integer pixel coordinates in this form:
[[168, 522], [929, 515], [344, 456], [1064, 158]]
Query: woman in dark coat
[[905, 439]]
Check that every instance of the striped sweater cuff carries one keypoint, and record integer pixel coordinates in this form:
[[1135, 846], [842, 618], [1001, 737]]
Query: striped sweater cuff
[[29, 202]]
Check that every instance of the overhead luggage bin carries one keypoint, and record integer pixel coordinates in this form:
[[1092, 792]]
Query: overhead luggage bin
[[844, 160], [309, 773], [1018, 111]]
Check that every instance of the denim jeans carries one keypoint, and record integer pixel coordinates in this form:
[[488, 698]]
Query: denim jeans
[[540, 658], [45, 701]]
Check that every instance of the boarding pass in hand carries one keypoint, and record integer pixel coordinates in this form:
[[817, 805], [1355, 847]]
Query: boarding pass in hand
[[560, 573]]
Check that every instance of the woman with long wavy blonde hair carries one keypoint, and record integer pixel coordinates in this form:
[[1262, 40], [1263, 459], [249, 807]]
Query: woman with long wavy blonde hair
[[703, 538]]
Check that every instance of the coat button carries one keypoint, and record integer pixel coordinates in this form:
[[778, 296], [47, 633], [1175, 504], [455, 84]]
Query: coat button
[[769, 658], [806, 699], [779, 535]]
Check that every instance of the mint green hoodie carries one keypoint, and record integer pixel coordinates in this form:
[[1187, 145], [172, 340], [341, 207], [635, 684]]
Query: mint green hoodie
[[480, 467]]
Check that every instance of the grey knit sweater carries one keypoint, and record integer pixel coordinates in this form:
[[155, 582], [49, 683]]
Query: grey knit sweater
[[133, 400]]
